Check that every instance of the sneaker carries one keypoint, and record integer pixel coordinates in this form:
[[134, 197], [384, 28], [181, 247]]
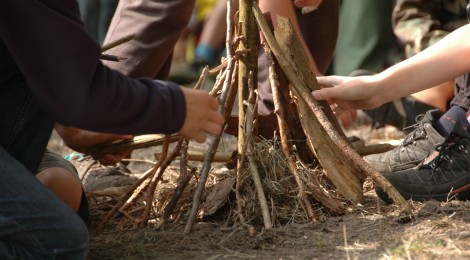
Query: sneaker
[[444, 174], [414, 148]]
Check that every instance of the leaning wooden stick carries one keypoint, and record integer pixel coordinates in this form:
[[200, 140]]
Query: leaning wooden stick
[[249, 121], [285, 135], [214, 140], [248, 38], [338, 140], [313, 185], [347, 178]]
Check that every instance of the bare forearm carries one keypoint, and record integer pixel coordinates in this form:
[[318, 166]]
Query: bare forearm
[[441, 62]]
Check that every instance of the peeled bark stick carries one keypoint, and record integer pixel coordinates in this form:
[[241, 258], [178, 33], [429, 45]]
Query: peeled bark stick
[[287, 147], [343, 149], [293, 49], [299, 140], [214, 140]]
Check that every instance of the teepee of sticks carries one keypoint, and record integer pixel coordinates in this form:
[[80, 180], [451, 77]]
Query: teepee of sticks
[[307, 165]]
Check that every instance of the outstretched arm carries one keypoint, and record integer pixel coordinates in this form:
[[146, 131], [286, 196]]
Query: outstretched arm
[[441, 62]]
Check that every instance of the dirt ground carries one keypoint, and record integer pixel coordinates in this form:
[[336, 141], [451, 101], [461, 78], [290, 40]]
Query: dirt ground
[[439, 231], [373, 230]]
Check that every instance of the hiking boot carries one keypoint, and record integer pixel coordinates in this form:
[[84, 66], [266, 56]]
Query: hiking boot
[[444, 174], [413, 149]]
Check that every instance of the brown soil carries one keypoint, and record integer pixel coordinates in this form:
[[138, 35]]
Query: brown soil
[[370, 231], [438, 232]]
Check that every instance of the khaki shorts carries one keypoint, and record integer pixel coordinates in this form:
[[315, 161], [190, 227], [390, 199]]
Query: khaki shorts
[[50, 160]]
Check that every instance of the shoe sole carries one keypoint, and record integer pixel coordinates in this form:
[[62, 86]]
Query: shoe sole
[[462, 193]]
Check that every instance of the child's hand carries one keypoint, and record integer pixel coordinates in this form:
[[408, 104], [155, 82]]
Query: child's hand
[[349, 93], [201, 115]]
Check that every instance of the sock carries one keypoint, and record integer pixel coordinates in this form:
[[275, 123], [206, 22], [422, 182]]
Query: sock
[[446, 123], [204, 53]]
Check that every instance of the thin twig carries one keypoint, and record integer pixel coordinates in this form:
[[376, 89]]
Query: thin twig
[[214, 139], [133, 192], [174, 199], [249, 121], [142, 188], [219, 83], [111, 57], [139, 161], [218, 68], [202, 78], [117, 42], [156, 178]]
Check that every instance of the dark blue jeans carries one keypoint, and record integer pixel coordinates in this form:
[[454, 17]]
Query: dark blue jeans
[[34, 223]]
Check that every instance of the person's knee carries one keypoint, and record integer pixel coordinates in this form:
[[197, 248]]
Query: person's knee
[[64, 184]]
